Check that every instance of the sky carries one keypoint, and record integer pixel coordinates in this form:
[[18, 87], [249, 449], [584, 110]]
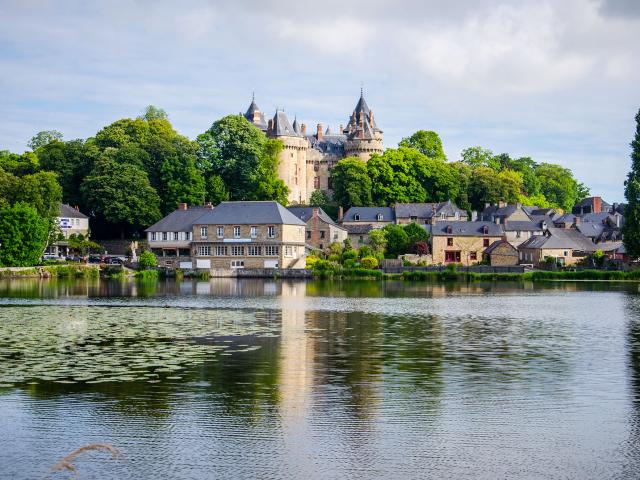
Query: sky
[[558, 81]]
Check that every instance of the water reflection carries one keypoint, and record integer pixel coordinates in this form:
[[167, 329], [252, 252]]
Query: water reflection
[[359, 379]]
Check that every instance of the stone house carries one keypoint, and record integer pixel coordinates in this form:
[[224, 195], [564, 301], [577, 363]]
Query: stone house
[[462, 242], [321, 230], [566, 245], [71, 221], [248, 234], [504, 212], [170, 238], [518, 231], [358, 234], [427, 213], [376, 217], [501, 254]]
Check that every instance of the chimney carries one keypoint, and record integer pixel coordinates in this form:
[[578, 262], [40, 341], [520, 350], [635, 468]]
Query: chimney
[[577, 221], [319, 131], [597, 204], [208, 205], [341, 128], [371, 117], [340, 214], [518, 205], [315, 234], [303, 129], [77, 208], [182, 206]]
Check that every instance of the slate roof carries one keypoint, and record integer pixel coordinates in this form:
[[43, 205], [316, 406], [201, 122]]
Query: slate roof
[[305, 213], [358, 229], [568, 238], [496, 211], [597, 217], [249, 213], [498, 243], [328, 144], [369, 214], [591, 229], [466, 229], [567, 218], [427, 210], [67, 211], [253, 108], [179, 220], [281, 126]]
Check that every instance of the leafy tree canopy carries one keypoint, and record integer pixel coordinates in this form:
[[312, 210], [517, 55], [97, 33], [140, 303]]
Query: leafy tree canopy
[[23, 235], [631, 228], [426, 142], [151, 112], [351, 183], [43, 138]]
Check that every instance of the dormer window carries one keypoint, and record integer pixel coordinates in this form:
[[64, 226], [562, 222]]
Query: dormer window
[[485, 230], [443, 216], [356, 217], [379, 217], [449, 229]]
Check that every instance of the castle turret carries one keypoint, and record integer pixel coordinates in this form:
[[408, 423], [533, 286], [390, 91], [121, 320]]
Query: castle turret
[[255, 116], [364, 138], [293, 158]]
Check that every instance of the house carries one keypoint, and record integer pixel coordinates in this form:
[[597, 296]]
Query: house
[[170, 238], [566, 245], [504, 212], [567, 220], [591, 205], [501, 253], [321, 230], [376, 217], [248, 234], [71, 221], [518, 231], [358, 235], [426, 213], [462, 242]]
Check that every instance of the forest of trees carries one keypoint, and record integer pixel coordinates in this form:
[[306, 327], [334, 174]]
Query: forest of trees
[[136, 170]]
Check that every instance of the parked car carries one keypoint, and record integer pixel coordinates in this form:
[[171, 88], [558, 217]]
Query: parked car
[[95, 259], [75, 258], [113, 261], [51, 257]]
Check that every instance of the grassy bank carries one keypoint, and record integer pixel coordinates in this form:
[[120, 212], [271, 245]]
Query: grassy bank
[[451, 275], [62, 271]]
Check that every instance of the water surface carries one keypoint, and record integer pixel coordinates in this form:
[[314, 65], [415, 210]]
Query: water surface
[[265, 379]]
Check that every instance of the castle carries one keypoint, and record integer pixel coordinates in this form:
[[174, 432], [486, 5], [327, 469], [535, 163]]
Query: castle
[[307, 158]]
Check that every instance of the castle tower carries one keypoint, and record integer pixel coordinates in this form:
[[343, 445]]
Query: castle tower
[[255, 116], [292, 168], [364, 138]]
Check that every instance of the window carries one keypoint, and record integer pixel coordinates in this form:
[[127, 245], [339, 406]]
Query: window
[[237, 263], [316, 183], [236, 232], [452, 257], [271, 250], [153, 236], [254, 250], [271, 231], [204, 250], [203, 232], [519, 234], [330, 183], [449, 242], [237, 250], [485, 230], [473, 255], [175, 235], [566, 254], [220, 232], [443, 216], [288, 251], [254, 232], [485, 242], [356, 217], [379, 217], [308, 234], [457, 216], [449, 229], [164, 236], [77, 221], [413, 218], [322, 233], [221, 250], [361, 240], [187, 235]]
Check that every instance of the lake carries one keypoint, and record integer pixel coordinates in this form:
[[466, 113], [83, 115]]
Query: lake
[[291, 379]]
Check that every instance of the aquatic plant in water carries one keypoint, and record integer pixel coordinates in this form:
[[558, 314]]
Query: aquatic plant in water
[[99, 344]]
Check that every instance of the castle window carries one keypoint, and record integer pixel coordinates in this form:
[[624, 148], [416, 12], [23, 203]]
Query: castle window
[[316, 183], [330, 183], [316, 166]]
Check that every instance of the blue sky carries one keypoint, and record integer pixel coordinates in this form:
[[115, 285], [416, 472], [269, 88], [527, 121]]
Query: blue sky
[[557, 81]]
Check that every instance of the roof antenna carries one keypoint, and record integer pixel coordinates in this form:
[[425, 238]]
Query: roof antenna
[[362, 89], [253, 96]]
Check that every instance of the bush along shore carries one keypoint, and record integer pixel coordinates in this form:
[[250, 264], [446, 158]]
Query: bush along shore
[[62, 271], [452, 275]]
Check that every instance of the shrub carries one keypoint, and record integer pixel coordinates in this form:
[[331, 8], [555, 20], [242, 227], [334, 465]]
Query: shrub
[[147, 260], [147, 275], [349, 263], [349, 255], [369, 263], [311, 261], [366, 251]]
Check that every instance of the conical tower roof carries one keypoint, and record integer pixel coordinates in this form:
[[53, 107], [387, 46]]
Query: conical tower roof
[[255, 115], [281, 126]]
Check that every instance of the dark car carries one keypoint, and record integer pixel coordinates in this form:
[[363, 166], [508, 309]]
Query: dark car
[[113, 261], [74, 258], [95, 259]]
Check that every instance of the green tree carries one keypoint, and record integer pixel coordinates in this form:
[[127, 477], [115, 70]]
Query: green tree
[[81, 245], [318, 199], [426, 142], [151, 112], [631, 228], [19, 164], [42, 191], [242, 156], [43, 138], [378, 241], [397, 241], [216, 190], [122, 195], [558, 185], [480, 157], [23, 235], [415, 234], [393, 177], [181, 182], [147, 260], [351, 183]]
